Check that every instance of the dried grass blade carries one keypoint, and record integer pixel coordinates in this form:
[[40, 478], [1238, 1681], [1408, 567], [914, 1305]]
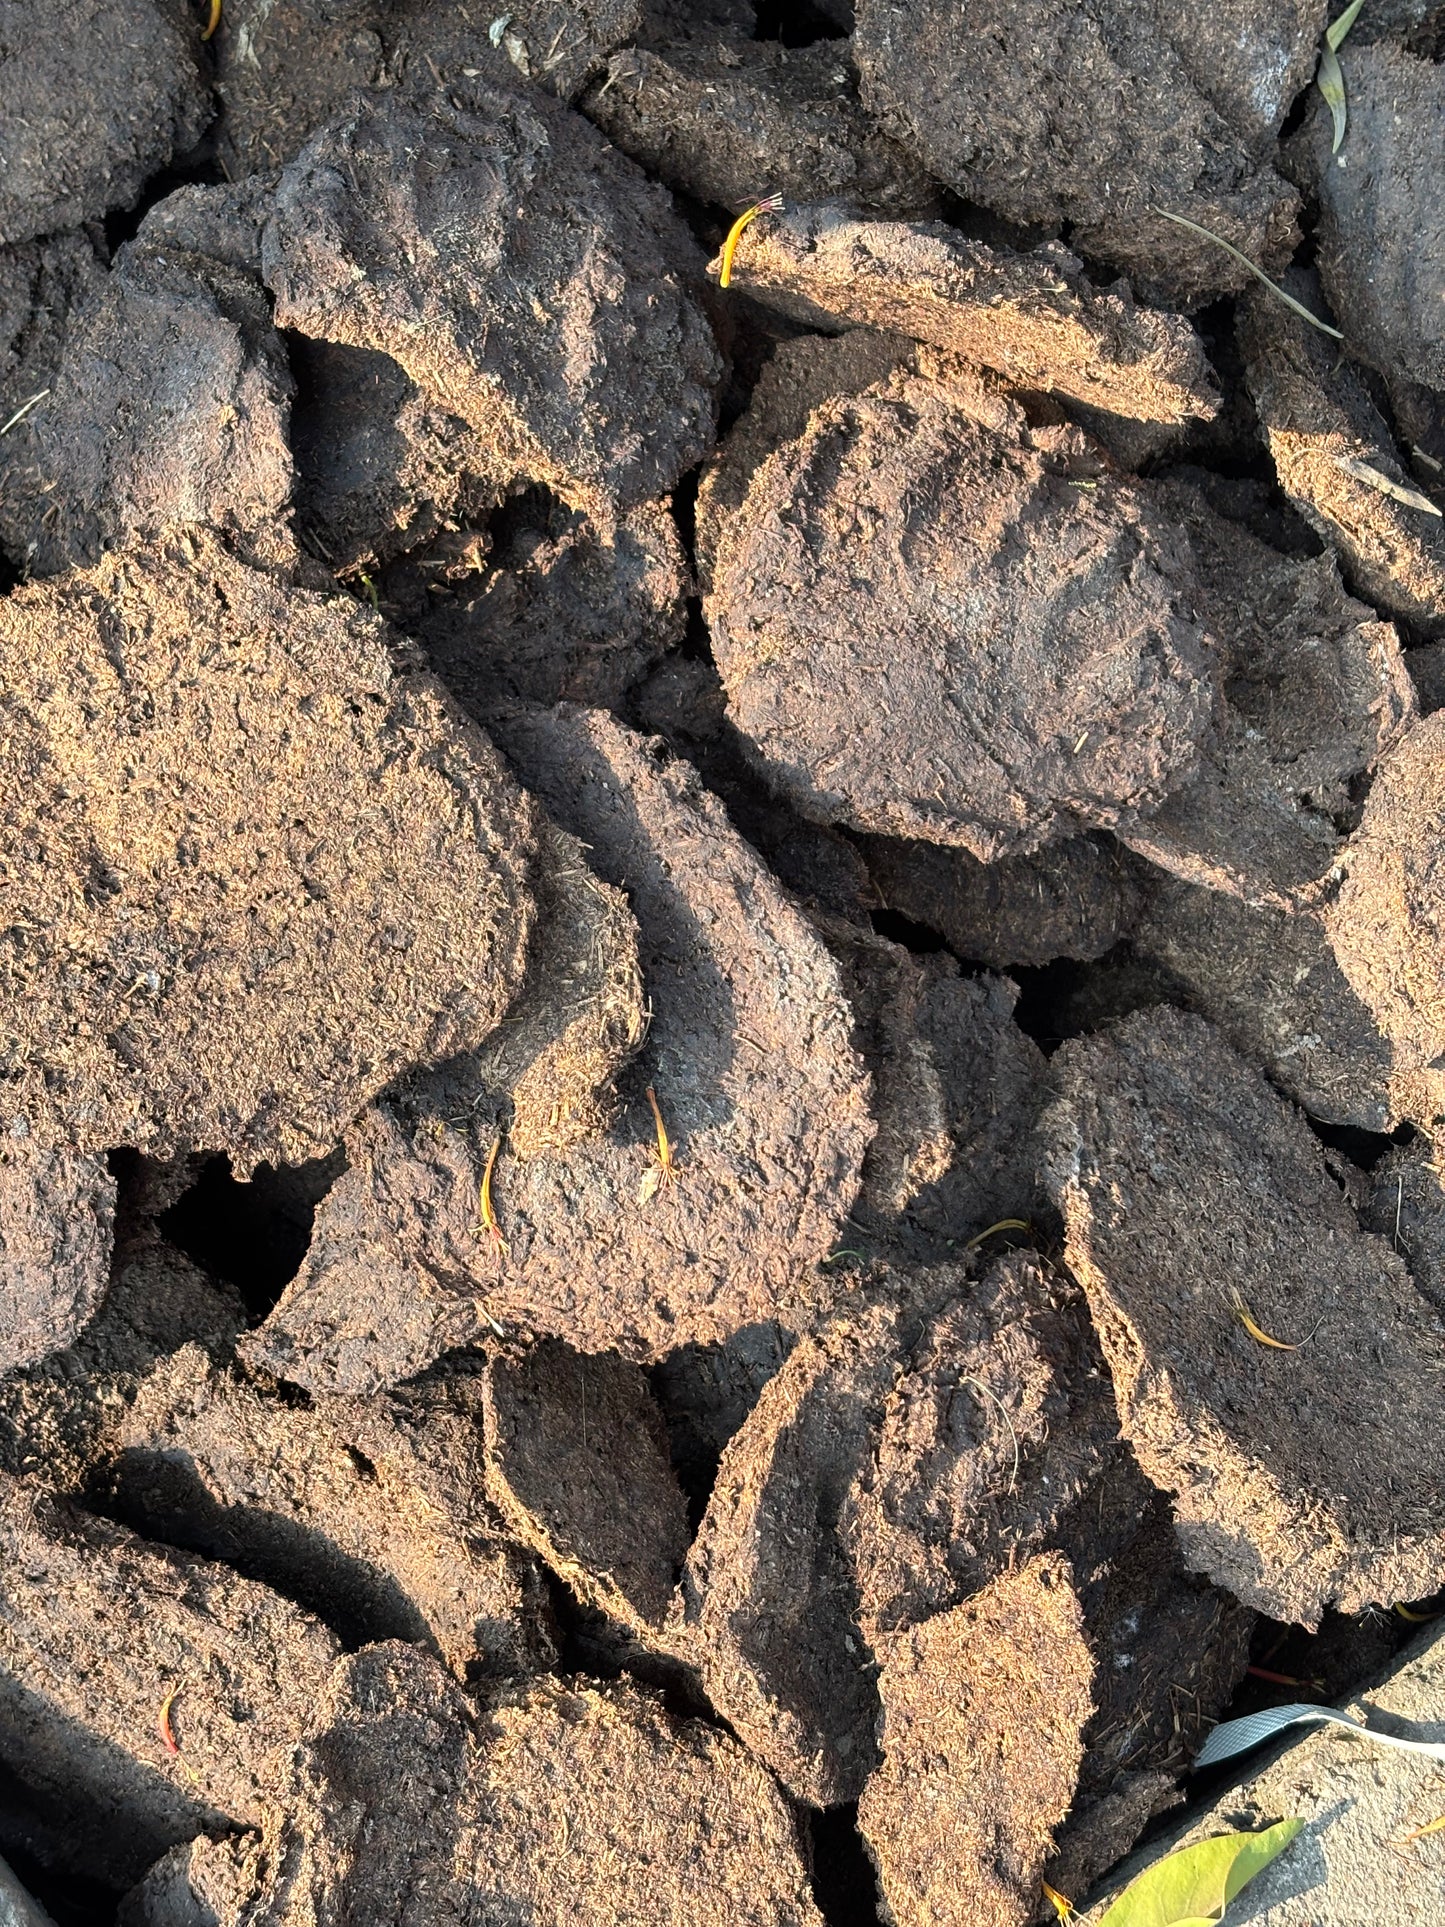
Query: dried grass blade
[[1197, 227], [23, 410], [770, 204], [1372, 478], [1256, 1332], [163, 1724], [1004, 1224], [489, 1216]]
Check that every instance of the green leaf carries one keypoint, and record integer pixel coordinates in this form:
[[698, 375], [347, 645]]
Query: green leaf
[[1331, 82], [1193, 1887], [1337, 29], [1329, 77]]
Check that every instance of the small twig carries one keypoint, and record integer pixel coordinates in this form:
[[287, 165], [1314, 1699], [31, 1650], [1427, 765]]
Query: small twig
[[979, 1386], [23, 410], [664, 1172], [1284, 1679], [1372, 478], [1197, 227], [163, 1724]]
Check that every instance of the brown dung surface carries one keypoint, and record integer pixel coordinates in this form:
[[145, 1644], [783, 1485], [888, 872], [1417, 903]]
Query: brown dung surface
[[983, 1708], [1189, 1188], [749, 1056], [194, 959]]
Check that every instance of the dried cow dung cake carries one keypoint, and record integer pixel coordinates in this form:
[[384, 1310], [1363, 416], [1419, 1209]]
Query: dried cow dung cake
[[580, 1019], [798, 377], [41, 285], [525, 276], [57, 1212], [59, 1419], [1047, 114], [329, 1505], [1382, 215], [983, 1708], [900, 618], [707, 106], [284, 68], [1315, 692], [220, 221], [254, 863], [1169, 1652], [1077, 898], [171, 404], [1384, 924], [89, 114], [749, 1058], [1269, 980], [1198, 1203], [996, 1421], [570, 1803], [100, 1634], [558, 45], [768, 1606], [577, 1462], [891, 1467], [957, 1089], [1406, 1204], [1336, 460], [667, 1822], [1035, 318], [567, 609], [380, 467]]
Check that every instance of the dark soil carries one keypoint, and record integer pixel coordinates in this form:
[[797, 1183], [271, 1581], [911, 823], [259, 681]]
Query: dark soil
[[721, 1010]]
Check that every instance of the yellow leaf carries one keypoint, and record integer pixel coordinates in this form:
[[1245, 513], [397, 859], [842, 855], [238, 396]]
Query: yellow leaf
[[1193, 1887]]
